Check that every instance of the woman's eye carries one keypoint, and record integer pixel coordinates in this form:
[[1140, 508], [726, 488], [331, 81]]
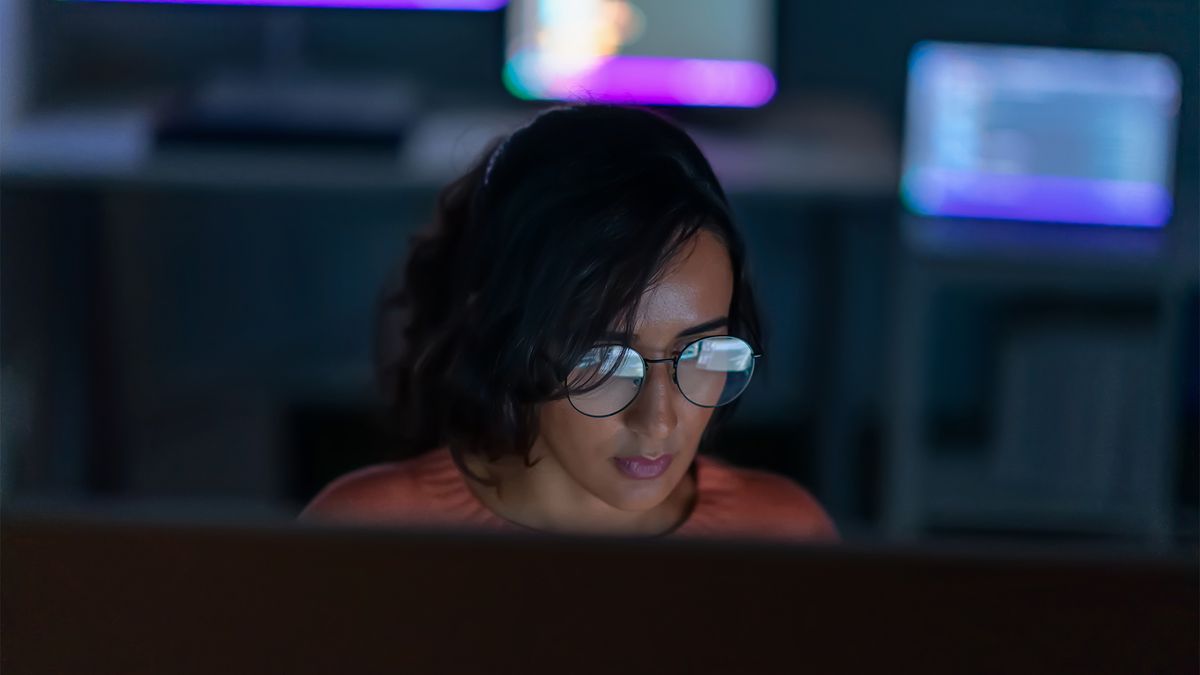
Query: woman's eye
[[690, 351]]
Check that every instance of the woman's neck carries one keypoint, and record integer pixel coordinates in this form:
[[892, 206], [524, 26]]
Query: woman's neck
[[544, 497]]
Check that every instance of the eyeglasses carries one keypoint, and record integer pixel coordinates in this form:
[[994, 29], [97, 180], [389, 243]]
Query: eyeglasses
[[709, 372]]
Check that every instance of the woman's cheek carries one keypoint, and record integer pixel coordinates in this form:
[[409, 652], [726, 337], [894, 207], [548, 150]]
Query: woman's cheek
[[692, 425], [592, 439], [568, 430]]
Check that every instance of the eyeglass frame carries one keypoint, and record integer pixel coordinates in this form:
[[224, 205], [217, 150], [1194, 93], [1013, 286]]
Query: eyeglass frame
[[646, 363]]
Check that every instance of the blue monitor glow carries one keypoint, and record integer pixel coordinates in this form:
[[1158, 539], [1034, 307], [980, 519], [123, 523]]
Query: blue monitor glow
[[1040, 134]]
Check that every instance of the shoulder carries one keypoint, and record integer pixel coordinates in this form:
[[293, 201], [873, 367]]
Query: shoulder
[[377, 493], [762, 503]]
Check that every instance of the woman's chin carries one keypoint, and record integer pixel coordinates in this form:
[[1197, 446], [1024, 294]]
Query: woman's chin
[[641, 495]]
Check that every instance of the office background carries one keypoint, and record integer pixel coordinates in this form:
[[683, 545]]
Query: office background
[[186, 317]]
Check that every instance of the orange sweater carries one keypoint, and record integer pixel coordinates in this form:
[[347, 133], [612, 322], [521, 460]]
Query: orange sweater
[[430, 491]]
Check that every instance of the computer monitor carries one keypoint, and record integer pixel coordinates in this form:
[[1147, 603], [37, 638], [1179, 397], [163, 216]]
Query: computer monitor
[[460, 5], [82, 594], [660, 52], [1040, 134]]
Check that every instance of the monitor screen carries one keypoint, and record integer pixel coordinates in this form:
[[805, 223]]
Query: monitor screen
[[459, 5], [666, 52], [1040, 134]]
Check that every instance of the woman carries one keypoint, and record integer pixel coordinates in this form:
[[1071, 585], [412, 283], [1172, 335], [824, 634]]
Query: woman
[[578, 321]]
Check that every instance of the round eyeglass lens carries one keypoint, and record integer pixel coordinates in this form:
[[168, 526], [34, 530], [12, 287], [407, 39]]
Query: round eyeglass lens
[[606, 380], [714, 371]]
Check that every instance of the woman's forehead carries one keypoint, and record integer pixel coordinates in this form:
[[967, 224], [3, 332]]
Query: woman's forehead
[[697, 287]]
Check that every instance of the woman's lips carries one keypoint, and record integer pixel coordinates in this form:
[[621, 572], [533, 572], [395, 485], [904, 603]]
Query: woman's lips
[[642, 468]]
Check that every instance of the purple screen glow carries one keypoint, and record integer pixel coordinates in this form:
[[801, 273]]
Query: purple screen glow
[[655, 81], [458, 5]]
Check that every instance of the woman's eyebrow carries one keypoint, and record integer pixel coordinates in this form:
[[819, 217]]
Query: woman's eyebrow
[[719, 322]]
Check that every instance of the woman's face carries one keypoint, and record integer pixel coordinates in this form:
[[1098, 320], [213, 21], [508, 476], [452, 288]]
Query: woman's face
[[611, 457]]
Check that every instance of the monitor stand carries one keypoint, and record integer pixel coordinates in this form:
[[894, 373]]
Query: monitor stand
[[285, 104], [998, 240]]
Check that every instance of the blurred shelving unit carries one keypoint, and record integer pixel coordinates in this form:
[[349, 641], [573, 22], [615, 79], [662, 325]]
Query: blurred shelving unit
[[1079, 360]]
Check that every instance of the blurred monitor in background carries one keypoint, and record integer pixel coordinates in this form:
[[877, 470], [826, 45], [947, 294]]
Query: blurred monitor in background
[[460, 5], [667, 52], [286, 101], [1039, 134]]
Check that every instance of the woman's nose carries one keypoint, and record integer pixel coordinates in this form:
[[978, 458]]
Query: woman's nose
[[652, 413]]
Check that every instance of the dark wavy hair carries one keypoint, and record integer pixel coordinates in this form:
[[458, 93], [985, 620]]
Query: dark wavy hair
[[544, 245]]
